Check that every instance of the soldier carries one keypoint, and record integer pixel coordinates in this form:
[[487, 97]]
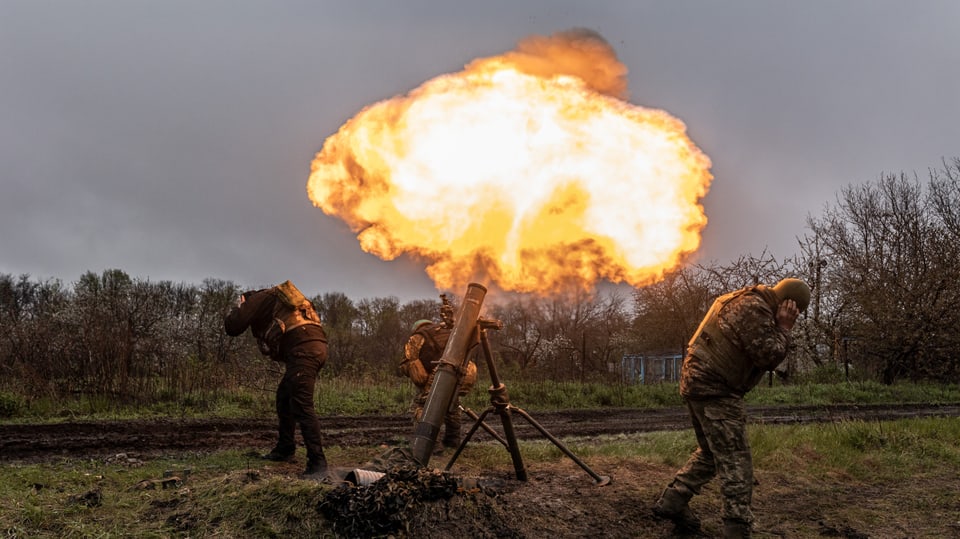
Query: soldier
[[744, 334], [422, 354], [288, 330]]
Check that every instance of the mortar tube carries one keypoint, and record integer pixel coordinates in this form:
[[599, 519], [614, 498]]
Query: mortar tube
[[446, 377]]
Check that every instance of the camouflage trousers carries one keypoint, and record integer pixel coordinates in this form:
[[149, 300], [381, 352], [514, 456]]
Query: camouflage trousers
[[451, 420], [723, 449]]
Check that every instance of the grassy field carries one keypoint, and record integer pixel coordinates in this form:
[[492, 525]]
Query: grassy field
[[877, 479], [392, 395], [872, 477]]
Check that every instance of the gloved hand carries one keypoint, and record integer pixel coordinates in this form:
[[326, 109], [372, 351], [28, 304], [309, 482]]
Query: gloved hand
[[469, 378], [414, 369]]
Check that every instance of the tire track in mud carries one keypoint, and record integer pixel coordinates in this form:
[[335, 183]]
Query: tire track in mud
[[37, 442]]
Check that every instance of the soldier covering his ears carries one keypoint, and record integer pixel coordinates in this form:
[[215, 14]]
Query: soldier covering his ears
[[744, 334]]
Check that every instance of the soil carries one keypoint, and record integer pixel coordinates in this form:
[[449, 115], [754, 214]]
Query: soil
[[560, 498], [33, 442]]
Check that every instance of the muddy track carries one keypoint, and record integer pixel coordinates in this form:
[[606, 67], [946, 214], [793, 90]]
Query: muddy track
[[35, 442]]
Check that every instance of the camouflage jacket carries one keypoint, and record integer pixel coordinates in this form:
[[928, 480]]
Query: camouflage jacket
[[426, 346], [737, 342]]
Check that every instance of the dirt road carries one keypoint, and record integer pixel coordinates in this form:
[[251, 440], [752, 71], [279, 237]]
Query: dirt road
[[40, 441]]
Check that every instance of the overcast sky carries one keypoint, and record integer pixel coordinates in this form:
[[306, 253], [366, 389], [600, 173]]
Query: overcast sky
[[173, 139]]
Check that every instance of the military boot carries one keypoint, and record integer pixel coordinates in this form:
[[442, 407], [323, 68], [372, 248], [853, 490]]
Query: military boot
[[316, 470], [451, 435], [277, 455], [672, 505], [735, 529]]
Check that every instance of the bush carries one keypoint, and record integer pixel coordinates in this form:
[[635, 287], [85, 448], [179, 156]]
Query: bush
[[11, 405], [824, 374]]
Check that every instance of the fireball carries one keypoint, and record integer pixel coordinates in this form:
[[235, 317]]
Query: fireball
[[527, 170]]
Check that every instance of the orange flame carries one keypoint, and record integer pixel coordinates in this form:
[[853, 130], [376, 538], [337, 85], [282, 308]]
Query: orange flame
[[527, 170]]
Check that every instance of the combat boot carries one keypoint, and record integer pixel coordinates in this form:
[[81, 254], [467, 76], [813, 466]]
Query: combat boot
[[672, 505], [735, 529], [279, 456], [451, 435], [316, 470]]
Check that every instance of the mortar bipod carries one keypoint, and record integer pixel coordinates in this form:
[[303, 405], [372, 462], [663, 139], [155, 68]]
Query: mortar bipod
[[500, 404]]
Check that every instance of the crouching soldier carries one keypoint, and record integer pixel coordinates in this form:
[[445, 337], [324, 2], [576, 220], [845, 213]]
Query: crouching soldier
[[421, 357]]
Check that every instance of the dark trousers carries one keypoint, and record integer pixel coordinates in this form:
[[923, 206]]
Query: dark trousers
[[295, 406]]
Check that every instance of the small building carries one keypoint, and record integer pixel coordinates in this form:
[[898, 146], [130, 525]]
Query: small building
[[643, 369]]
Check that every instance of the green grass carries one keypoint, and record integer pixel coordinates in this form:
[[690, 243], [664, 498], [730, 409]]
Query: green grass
[[334, 396], [231, 494], [903, 449], [392, 395], [858, 392], [553, 395], [121, 498]]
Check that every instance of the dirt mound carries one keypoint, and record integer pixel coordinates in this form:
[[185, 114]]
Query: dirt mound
[[422, 502], [395, 502], [557, 500]]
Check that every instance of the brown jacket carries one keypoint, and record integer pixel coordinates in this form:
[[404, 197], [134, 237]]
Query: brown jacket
[[256, 312]]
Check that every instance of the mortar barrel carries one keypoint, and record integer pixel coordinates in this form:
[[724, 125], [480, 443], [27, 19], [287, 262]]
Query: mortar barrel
[[446, 377]]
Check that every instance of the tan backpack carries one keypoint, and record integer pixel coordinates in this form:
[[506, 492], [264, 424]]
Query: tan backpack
[[291, 310]]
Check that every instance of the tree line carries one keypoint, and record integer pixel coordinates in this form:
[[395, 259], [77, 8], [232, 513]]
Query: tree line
[[881, 261]]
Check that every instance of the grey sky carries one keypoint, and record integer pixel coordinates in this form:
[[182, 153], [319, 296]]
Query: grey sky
[[173, 139]]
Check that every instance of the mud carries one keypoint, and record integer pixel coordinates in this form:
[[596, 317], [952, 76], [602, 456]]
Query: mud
[[558, 499], [33, 442]]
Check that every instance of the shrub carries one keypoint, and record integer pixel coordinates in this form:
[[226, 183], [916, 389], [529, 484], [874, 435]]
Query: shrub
[[10, 405]]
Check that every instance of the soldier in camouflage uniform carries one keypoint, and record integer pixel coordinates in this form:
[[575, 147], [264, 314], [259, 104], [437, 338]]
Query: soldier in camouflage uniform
[[421, 356], [745, 334]]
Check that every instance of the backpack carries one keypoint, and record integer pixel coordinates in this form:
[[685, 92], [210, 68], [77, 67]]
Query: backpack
[[291, 310]]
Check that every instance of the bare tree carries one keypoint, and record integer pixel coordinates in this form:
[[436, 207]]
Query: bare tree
[[520, 340], [889, 252], [340, 320], [32, 336], [567, 336], [382, 333], [668, 312]]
